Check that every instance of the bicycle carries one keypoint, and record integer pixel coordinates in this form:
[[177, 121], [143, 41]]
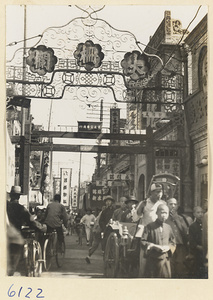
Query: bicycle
[[32, 253], [53, 249]]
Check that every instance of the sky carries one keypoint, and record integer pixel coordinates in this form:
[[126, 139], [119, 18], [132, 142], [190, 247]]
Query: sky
[[141, 20]]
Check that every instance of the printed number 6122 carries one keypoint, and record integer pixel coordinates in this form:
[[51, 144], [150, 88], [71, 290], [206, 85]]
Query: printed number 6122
[[26, 294]]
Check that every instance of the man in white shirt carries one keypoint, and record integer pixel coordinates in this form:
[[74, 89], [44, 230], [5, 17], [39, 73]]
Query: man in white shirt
[[145, 213], [87, 219], [146, 210]]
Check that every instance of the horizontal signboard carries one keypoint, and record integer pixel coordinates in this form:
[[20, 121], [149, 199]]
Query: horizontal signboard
[[89, 126], [117, 176]]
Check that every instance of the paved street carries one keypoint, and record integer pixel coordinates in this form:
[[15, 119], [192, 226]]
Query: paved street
[[75, 265]]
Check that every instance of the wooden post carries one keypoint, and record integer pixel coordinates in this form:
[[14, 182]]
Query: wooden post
[[150, 158]]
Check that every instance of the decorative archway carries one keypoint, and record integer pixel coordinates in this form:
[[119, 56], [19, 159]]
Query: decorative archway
[[88, 58]]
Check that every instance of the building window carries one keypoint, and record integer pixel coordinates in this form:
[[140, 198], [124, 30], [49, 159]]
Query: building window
[[202, 70]]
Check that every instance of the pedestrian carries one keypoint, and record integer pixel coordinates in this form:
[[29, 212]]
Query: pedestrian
[[87, 219], [78, 228], [119, 211], [105, 218], [159, 244], [195, 244], [188, 220], [68, 222], [55, 217], [180, 230], [77, 219], [146, 210], [72, 223], [96, 237], [18, 216], [127, 215], [144, 214]]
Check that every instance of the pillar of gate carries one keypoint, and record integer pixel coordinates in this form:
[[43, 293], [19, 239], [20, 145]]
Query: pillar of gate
[[150, 159]]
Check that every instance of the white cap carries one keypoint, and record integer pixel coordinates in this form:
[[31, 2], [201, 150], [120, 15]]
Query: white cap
[[156, 186]]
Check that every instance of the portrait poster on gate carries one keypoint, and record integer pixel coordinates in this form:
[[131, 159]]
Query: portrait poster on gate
[[72, 85]]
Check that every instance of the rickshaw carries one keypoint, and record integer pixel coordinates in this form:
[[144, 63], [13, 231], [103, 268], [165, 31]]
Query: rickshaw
[[123, 254]]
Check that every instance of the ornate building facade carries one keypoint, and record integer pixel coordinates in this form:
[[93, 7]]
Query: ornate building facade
[[196, 110]]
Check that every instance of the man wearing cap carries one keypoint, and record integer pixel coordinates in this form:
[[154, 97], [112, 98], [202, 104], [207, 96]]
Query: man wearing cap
[[145, 213], [127, 215], [146, 210], [158, 242], [106, 216], [18, 216], [107, 213]]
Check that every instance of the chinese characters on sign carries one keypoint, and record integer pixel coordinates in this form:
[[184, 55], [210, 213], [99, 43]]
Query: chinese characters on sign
[[89, 126], [41, 60], [114, 123], [65, 185], [97, 194], [135, 65], [101, 182], [74, 197], [89, 55], [118, 176]]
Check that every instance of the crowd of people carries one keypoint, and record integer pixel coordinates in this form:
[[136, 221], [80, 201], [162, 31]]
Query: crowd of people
[[173, 244]]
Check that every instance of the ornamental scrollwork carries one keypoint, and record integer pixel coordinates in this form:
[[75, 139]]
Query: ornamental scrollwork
[[87, 53]]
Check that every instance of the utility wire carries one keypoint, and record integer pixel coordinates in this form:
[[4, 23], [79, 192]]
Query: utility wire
[[21, 41], [137, 42]]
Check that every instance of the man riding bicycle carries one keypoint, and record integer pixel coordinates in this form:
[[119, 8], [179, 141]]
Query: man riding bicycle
[[18, 216], [56, 216]]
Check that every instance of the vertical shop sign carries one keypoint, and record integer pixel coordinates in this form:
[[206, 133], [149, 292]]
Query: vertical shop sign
[[66, 174], [114, 123], [10, 159], [75, 197], [97, 193]]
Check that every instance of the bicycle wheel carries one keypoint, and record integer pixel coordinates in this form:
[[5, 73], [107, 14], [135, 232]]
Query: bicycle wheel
[[37, 259], [47, 254], [111, 256], [60, 254]]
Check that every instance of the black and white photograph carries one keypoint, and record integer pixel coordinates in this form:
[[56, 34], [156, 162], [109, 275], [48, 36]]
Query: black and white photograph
[[106, 142]]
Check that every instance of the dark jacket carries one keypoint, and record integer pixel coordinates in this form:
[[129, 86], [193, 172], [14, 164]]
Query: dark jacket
[[179, 229], [105, 217], [153, 234], [18, 215], [127, 216], [195, 238]]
